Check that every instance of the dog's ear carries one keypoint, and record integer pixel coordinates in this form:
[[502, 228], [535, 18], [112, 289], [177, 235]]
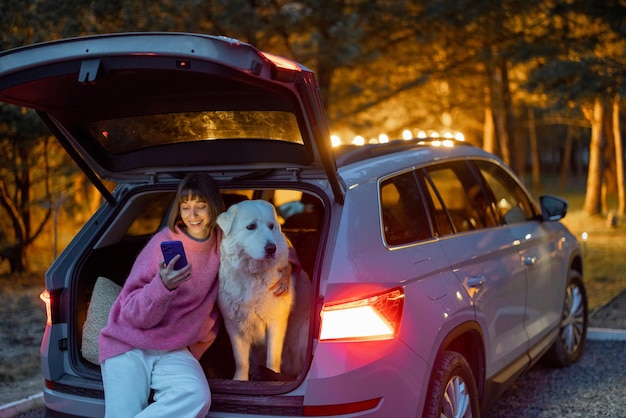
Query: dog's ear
[[225, 219]]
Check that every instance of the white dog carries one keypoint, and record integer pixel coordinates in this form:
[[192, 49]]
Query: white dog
[[254, 252]]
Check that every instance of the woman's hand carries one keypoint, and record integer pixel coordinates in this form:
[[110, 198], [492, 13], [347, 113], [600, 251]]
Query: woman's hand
[[173, 278], [281, 287]]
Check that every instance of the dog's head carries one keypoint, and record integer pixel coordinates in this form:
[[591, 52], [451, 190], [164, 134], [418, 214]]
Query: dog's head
[[251, 229]]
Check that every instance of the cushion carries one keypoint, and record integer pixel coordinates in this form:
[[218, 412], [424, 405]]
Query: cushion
[[104, 293]]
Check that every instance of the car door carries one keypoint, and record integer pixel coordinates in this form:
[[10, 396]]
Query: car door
[[537, 246], [484, 258]]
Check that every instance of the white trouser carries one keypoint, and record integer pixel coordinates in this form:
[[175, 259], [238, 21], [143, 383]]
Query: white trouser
[[180, 386]]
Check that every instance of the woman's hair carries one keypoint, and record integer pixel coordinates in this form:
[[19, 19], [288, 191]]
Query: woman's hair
[[197, 186]]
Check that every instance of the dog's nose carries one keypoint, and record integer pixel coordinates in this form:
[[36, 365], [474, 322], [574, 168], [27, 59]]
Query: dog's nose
[[270, 248]]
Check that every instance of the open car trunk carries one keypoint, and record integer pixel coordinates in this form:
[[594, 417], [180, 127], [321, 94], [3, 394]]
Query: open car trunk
[[301, 215]]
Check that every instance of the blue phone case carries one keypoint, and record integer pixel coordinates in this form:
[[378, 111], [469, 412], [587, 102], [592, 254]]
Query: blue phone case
[[170, 249]]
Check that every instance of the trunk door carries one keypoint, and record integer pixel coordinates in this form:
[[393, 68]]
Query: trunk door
[[129, 107]]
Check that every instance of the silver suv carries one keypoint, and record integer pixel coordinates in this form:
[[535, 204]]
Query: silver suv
[[436, 278]]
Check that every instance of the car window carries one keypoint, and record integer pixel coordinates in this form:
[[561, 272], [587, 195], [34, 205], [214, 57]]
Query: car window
[[464, 199], [403, 213], [129, 134], [151, 214], [512, 203], [441, 220]]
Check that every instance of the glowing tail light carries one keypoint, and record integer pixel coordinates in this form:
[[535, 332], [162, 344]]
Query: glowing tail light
[[282, 63], [283, 69], [376, 317], [47, 300]]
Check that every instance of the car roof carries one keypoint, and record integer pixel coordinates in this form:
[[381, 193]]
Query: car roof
[[358, 163]]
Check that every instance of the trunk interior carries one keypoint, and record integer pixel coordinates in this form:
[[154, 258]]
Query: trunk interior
[[301, 216]]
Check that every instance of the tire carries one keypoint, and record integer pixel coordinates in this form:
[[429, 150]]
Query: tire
[[452, 391], [570, 343]]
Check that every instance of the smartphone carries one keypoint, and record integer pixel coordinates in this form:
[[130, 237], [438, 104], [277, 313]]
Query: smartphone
[[170, 249]]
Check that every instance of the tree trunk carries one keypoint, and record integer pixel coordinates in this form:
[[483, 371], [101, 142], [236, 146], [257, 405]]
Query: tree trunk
[[609, 177], [499, 119], [496, 104], [517, 157], [593, 196], [534, 150], [16, 256], [489, 140], [619, 158], [16, 253], [326, 47], [567, 157]]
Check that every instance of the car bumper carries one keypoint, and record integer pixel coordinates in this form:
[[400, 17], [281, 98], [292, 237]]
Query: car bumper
[[366, 379], [375, 378]]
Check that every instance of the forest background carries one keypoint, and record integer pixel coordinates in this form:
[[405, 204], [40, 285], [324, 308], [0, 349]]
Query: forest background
[[538, 82]]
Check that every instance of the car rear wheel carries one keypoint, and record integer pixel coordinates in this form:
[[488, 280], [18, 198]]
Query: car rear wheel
[[452, 391], [569, 345]]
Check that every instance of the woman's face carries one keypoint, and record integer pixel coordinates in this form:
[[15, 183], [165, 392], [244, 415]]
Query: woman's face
[[195, 215]]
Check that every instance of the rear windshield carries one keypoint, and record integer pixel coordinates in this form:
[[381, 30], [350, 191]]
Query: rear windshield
[[118, 136]]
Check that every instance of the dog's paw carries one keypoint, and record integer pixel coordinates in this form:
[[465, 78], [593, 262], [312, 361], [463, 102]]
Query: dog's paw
[[240, 375], [264, 374]]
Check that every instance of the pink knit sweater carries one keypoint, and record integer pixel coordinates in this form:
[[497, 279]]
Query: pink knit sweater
[[147, 315]]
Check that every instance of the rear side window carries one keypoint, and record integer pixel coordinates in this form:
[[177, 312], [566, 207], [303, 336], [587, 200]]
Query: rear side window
[[404, 217], [512, 203], [456, 192], [442, 224], [150, 216]]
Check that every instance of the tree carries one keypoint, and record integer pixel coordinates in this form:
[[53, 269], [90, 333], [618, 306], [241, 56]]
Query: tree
[[593, 197], [587, 67], [382, 66], [24, 165], [619, 157]]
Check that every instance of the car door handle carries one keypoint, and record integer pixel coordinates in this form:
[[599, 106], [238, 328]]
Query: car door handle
[[530, 260], [476, 281]]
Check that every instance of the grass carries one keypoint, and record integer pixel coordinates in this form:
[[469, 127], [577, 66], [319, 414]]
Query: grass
[[22, 321], [604, 268], [604, 258]]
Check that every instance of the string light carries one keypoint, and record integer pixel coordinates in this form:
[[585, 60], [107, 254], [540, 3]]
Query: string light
[[446, 138]]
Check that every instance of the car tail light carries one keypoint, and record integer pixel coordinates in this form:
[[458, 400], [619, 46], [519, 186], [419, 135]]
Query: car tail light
[[375, 317], [50, 299], [283, 69], [46, 299], [281, 62]]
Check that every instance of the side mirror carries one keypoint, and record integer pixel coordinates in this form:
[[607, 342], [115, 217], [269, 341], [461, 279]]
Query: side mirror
[[552, 208]]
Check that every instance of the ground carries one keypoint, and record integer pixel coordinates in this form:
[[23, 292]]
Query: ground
[[22, 322]]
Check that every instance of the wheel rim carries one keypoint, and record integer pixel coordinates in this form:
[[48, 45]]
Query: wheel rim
[[456, 400], [573, 323]]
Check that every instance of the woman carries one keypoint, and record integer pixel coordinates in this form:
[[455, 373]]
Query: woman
[[164, 319]]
